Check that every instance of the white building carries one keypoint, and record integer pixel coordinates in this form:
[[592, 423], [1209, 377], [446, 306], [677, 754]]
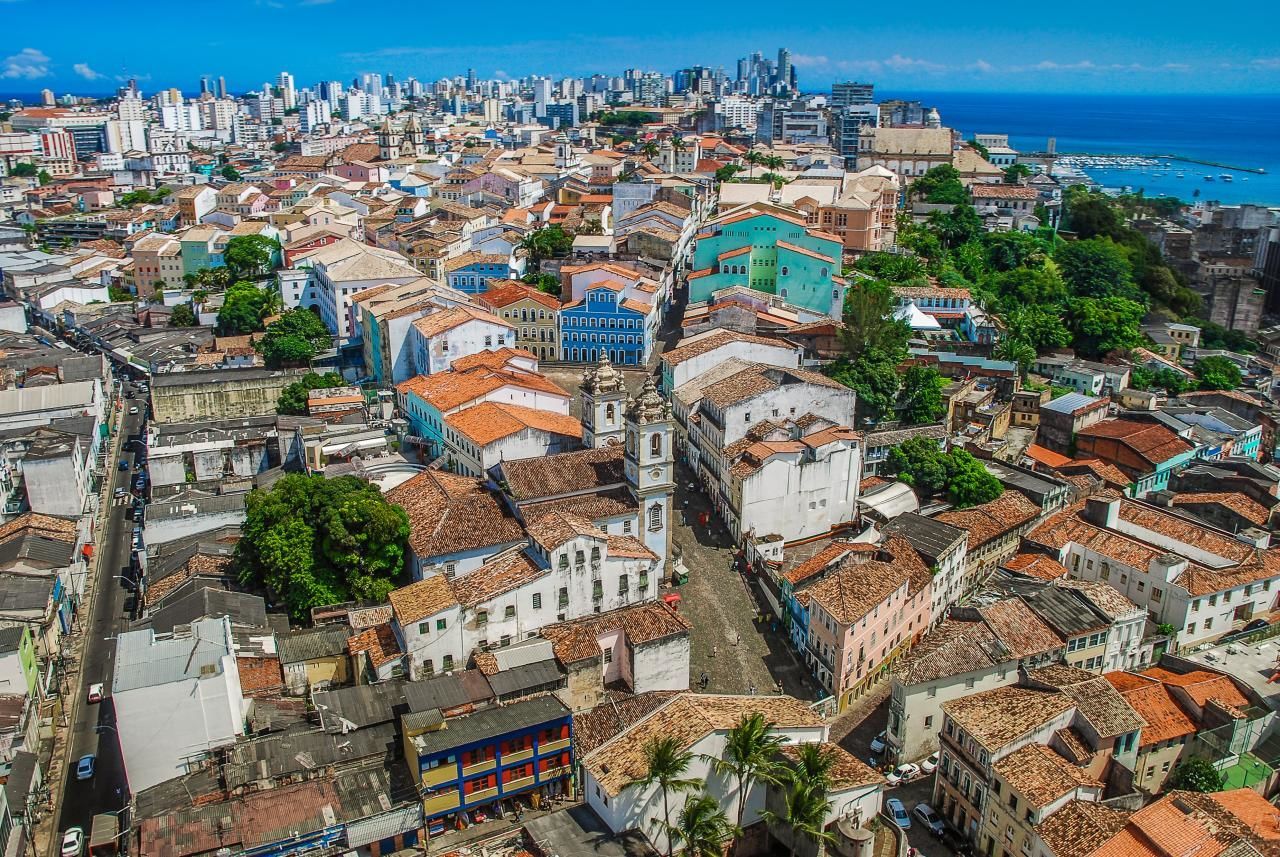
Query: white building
[[175, 699], [439, 339], [335, 273]]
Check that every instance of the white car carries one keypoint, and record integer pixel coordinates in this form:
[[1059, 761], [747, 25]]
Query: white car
[[134, 409], [930, 764], [95, 692], [877, 743], [73, 842], [904, 773]]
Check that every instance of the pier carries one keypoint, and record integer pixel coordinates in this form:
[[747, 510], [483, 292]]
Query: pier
[[1257, 171]]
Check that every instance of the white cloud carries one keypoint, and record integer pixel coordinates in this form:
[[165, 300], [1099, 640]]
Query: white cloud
[[82, 69], [983, 66], [1268, 63], [897, 62], [809, 60], [26, 64]]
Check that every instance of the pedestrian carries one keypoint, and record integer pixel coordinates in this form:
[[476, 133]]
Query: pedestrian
[[715, 650], [752, 690]]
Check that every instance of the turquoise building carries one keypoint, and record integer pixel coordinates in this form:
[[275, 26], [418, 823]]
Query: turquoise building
[[772, 251]]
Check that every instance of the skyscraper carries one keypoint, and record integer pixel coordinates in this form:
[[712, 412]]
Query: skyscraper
[[222, 87], [204, 86], [287, 93], [471, 80], [850, 93], [784, 68]]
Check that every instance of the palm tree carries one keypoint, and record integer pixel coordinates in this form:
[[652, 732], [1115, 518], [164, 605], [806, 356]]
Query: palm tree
[[537, 243], [753, 158], [666, 763], [806, 804], [649, 150], [702, 828], [749, 753], [774, 162], [1015, 350]]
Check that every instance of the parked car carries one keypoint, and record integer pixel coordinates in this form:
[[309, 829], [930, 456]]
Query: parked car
[[929, 818], [955, 841], [73, 842], [133, 410], [95, 692], [930, 764], [904, 773], [877, 743], [118, 493], [898, 813], [1256, 625], [85, 767], [124, 464]]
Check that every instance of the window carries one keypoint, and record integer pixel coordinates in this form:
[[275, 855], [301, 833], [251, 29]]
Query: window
[[450, 570], [537, 601], [655, 443], [447, 663], [608, 655], [504, 640], [933, 691], [1191, 628], [509, 612], [1156, 593], [441, 624], [626, 526], [655, 517], [1208, 624], [1195, 606], [785, 270], [623, 587], [482, 617], [969, 682], [424, 627], [428, 668]]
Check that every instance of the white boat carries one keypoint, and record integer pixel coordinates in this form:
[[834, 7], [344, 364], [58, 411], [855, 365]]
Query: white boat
[[1227, 177]]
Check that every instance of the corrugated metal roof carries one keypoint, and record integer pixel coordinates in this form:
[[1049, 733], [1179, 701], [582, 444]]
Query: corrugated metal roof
[[525, 678], [145, 660], [326, 641], [23, 400], [490, 723]]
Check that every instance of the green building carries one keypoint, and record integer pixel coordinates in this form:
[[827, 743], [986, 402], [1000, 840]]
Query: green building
[[771, 250], [19, 671]]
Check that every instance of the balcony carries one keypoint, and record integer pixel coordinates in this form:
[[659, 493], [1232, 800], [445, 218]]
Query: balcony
[[515, 785], [445, 773], [482, 795], [478, 768], [517, 756], [553, 773], [551, 746], [433, 804]]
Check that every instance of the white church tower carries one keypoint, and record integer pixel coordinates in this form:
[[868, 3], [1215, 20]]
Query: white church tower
[[649, 463], [603, 402]]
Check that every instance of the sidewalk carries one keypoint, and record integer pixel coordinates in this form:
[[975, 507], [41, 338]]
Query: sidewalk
[[45, 834]]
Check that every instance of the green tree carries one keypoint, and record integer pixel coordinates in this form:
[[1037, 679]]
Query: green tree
[[293, 398], [250, 256], [957, 226], [666, 763], [294, 339], [898, 268], [1015, 173], [650, 149], [309, 541], [43, 177], [545, 243], [702, 828], [1096, 268], [1016, 350], [727, 172], [805, 798], [1090, 214], [869, 324], [749, 751], [922, 395], [244, 307], [921, 463], [119, 295], [979, 148], [230, 173], [1218, 373], [753, 159], [1196, 775], [24, 171], [1030, 288], [182, 316], [1173, 383], [1039, 326], [968, 482], [544, 283], [941, 185], [873, 375], [1107, 324], [1007, 251]]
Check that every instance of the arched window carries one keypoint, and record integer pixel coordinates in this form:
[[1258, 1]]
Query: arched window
[[655, 517], [784, 270], [655, 444], [822, 272], [609, 413], [783, 294]]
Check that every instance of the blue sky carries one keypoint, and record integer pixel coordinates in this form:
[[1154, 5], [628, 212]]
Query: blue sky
[[1129, 46]]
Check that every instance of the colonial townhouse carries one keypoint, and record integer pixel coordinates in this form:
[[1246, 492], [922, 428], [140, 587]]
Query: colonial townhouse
[[328, 278], [534, 314], [771, 250], [604, 322], [1201, 581], [483, 435], [438, 340], [385, 315], [565, 569], [975, 649], [1027, 786], [1146, 451], [504, 376], [863, 615], [995, 530], [696, 355], [473, 272], [945, 551], [1077, 714], [1062, 418]]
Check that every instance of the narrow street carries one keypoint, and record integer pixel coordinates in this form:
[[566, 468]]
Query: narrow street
[[92, 725]]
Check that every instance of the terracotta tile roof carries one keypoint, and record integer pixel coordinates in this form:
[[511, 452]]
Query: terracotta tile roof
[[1149, 697], [503, 293], [760, 378], [1079, 827], [501, 574], [1037, 565], [1201, 686], [491, 421], [1109, 601], [1152, 442], [454, 388], [1003, 191], [1002, 715], [199, 565], [855, 588], [687, 718], [847, 770], [553, 529], [594, 727], [825, 559], [61, 529], [635, 306], [1045, 456], [449, 513], [378, 642], [805, 251], [1041, 776], [421, 599], [486, 662], [1252, 809], [577, 639], [1019, 629], [445, 320], [595, 506], [566, 473], [952, 648], [1167, 828], [492, 358], [1242, 504], [993, 520], [630, 546]]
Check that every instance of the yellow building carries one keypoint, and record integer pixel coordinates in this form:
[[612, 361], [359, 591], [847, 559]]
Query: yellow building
[[534, 314]]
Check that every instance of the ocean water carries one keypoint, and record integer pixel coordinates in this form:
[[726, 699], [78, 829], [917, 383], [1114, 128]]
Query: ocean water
[[1228, 129]]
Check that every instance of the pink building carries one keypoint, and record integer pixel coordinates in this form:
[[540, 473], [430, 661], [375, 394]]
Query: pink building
[[865, 613]]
